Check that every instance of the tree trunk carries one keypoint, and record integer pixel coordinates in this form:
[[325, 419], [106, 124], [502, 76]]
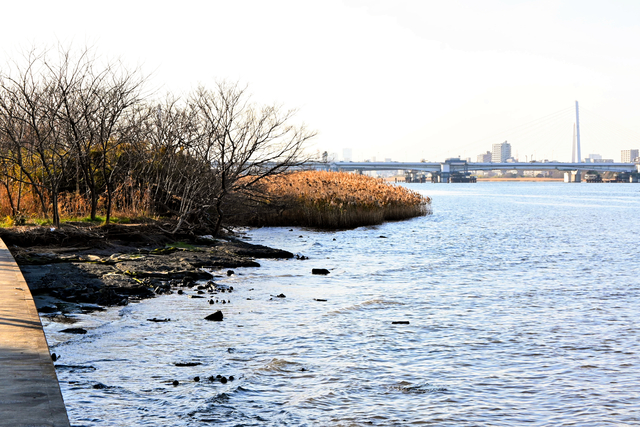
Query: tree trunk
[[218, 226], [56, 213], [13, 208], [109, 204], [94, 204]]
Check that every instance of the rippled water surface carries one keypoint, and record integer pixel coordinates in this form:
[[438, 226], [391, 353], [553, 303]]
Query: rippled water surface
[[522, 301]]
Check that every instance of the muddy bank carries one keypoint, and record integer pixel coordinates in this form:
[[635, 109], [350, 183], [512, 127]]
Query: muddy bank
[[85, 268]]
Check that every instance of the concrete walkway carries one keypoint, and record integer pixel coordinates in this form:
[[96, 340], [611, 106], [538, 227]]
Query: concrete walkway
[[29, 390]]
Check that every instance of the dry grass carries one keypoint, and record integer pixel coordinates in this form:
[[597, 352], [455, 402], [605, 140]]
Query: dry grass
[[335, 200], [129, 202]]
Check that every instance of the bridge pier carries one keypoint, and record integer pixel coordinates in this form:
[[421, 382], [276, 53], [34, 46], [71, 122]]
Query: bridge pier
[[572, 176]]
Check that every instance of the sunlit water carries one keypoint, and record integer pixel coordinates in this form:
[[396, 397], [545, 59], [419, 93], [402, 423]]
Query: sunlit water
[[523, 301]]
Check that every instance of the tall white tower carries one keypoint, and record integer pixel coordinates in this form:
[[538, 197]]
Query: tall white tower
[[576, 141]]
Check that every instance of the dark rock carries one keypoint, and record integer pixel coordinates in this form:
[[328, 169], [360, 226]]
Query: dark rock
[[281, 296], [223, 380], [196, 296], [210, 301], [54, 357], [175, 383], [108, 297], [74, 331], [231, 378], [187, 364], [140, 290], [382, 237], [99, 386], [196, 379], [322, 271], [215, 317], [230, 272], [158, 320], [320, 299], [180, 292], [245, 249], [48, 309], [400, 322]]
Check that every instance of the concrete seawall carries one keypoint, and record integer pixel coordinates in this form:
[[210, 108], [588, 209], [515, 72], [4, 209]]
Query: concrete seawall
[[29, 390]]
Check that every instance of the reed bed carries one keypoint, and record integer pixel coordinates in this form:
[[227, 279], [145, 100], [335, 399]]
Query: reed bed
[[335, 200]]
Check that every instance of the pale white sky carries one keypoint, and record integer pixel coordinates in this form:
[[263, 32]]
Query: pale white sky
[[404, 79]]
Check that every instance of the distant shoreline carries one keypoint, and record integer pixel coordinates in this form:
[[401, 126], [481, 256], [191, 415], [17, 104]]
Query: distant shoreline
[[495, 179]]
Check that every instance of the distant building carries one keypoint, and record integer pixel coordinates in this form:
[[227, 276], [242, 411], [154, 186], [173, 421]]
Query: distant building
[[347, 154], [629, 156], [484, 158], [593, 158], [500, 152]]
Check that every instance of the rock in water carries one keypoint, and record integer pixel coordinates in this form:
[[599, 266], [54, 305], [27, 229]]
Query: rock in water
[[319, 271], [215, 317], [74, 331]]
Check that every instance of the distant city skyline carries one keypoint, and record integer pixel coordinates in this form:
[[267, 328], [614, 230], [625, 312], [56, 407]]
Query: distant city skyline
[[500, 153]]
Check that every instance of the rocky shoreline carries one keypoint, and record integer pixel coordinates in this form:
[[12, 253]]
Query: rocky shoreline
[[85, 269]]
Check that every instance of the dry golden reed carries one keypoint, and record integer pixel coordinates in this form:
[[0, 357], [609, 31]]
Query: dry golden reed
[[336, 200]]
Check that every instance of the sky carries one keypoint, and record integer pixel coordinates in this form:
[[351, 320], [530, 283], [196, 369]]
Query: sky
[[404, 79]]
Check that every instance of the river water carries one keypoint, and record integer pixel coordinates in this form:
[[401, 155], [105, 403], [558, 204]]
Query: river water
[[522, 301]]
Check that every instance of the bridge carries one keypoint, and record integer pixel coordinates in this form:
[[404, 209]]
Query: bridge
[[457, 170]]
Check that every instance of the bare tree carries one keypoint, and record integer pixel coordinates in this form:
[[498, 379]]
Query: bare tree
[[243, 142], [94, 101], [180, 179], [29, 107]]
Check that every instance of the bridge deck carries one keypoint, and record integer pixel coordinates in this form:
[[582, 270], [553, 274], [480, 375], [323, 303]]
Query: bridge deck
[[29, 390]]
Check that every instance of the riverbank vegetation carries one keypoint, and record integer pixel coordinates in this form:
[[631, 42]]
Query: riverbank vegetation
[[83, 139], [334, 200]]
